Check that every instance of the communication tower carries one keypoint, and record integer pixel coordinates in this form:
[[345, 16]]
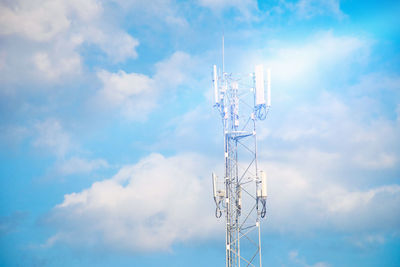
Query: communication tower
[[242, 191]]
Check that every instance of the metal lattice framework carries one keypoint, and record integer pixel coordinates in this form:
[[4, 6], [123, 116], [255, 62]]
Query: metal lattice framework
[[241, 194]]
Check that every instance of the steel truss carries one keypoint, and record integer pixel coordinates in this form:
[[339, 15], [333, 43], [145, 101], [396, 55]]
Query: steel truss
[[239, 199]]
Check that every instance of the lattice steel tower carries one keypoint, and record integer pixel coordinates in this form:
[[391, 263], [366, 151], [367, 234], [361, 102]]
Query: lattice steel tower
[[242, 192]]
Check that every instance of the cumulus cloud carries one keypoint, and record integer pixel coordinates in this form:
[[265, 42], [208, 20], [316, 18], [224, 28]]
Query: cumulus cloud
[[321, 153], [334, 127], [52, 137], [75, 165], [131, 93], [147, 206], [43, 20], [34, 20], [323, 54], [53, 68], [115, 43], [54, 31], [320, 202], [330, 109], [135, 94], [175, 70]]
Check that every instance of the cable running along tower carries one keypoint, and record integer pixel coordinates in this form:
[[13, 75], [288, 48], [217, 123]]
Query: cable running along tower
[[242, 191]]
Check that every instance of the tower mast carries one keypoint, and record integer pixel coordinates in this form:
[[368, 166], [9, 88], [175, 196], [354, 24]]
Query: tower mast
[[241, 194]]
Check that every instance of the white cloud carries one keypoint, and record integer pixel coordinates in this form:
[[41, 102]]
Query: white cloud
[[53, 32], [196, 130], [37, 20], [326, 105], [51, 136], [339, 119], [119, 86], [333, 127], [175, 70], [375, 83], [53, 67], [319, 201], [323, 54], [43, 20], [117, 44], [76, 165], [150, 205], [135, 94], [147, 206]]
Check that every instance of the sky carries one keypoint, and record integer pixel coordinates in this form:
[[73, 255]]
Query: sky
[[108, 135]]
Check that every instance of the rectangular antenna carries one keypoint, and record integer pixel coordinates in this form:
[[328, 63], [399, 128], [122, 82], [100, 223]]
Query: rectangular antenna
[[264, 192], [259, 75], [215, 83], [214, 180]]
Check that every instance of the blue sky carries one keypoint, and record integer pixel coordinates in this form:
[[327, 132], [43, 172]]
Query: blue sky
[[108, 136]]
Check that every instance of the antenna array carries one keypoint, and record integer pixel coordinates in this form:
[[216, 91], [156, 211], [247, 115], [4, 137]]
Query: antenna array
[[241, 193]]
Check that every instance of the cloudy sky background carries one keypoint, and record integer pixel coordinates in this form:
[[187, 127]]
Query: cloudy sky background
[[108, 136]]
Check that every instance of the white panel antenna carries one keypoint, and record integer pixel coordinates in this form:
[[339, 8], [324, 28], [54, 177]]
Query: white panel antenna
[[264, 192], [259, 77], [214, 179]]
